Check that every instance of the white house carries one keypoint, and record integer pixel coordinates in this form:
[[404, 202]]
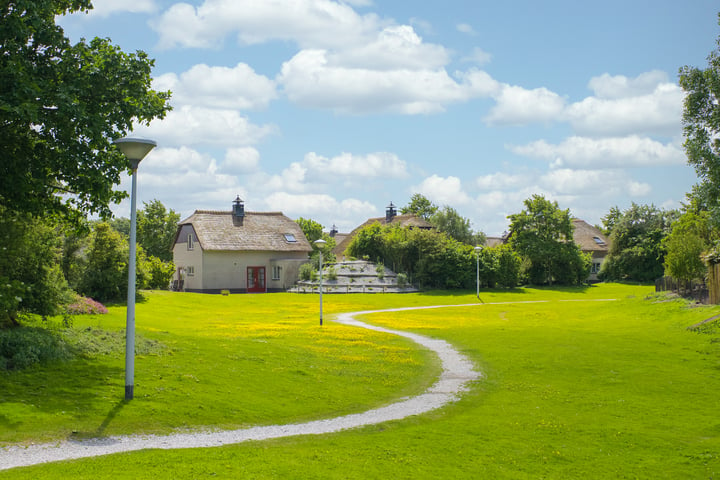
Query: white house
[[239, 251]]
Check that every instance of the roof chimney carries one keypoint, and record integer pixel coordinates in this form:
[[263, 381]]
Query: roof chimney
[[238, 210], [390, 213]]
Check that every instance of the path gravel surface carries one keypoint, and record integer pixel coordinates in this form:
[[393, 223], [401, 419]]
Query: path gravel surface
[[457, 373]]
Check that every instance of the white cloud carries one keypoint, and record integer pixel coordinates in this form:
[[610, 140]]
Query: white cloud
[[219, 87], [395, 48], [501, 181], [241, 160], [203, 126], [309, 23], [373, 165], [582, 152], [619, 86], [657, 112], [443, 190], [478, 56], [465, 28], [595, 183], [318, 204], [311, 81], [519, 106]]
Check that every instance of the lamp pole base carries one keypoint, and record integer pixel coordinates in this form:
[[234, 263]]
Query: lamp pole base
[[129, 392]]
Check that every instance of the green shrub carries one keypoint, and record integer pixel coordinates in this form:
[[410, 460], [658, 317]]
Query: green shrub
[[380, 269], [24, 347], [307, 271], [402, 280], [331, 273]]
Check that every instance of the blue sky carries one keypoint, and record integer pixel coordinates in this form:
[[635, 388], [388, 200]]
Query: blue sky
[[331, 110]]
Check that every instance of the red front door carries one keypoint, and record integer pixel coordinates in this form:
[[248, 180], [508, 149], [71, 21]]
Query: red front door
[[256, 279]]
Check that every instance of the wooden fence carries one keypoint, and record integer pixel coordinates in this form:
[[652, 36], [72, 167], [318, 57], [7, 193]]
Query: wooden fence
[[704, 291]]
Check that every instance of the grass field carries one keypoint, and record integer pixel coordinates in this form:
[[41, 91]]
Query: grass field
[[574, 386]]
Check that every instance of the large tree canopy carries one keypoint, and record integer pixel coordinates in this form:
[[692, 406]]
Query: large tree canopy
[[61, 105], [701, 125], [543, 235]]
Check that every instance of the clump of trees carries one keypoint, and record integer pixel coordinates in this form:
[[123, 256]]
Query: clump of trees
[[638, 247], [434, 259]]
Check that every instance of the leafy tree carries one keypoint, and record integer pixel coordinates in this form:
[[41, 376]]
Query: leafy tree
[[31, 280], [543, 236], [61, 105], [420, 206], [313, 230], [106, 274], [637, 251], [449, 221], [610, 220], [156, 228], [690, 238]]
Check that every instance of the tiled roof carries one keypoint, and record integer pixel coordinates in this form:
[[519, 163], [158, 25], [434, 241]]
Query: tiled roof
[[258, 231]]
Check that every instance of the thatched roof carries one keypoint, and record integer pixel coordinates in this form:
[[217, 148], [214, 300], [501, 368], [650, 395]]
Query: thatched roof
[[408, 220], [258, 231], [589, 238]]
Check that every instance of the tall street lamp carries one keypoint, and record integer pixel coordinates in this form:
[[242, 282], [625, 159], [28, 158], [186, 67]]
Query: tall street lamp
[[320, 244], [478, 249], [135, 149]]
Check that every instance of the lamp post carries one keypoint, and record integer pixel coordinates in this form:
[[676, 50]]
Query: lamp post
[[320, 244], [135, 149], [478, 249]]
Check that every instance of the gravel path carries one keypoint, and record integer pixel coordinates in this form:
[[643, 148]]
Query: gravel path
[[457, 372]]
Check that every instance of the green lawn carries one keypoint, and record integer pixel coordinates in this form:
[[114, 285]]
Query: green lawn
[[573, 387]]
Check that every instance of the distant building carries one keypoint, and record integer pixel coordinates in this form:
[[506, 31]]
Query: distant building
[[391, 217], [239, 251], [589, 238]]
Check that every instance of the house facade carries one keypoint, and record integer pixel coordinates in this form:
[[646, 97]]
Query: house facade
[[238, 251]]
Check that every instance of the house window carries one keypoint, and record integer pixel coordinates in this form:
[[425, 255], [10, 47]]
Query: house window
[[190, 242], [595, 267], [276, 270], [190, 271], [290, 238], [599, 241]]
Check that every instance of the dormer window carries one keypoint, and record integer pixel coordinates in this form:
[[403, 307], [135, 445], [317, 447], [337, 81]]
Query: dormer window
[[290, 238], [190, 242]]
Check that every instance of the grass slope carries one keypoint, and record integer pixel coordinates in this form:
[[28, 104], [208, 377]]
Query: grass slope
[[574, 387]]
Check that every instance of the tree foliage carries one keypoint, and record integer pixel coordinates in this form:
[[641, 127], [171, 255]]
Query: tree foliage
[[31, 280], [542, 234], [61, 105], [433, 259], [701, 126], [420, 206], [156, 228], [449, 221], [637, 251]]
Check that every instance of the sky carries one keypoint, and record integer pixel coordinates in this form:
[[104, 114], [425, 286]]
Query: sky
[[331, 110]]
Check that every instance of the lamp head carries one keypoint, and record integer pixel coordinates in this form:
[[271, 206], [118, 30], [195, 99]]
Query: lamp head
[[135, 149]]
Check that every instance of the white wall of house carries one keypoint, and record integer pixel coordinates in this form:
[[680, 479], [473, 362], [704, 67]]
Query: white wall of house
[[191, 260], [219, 270]]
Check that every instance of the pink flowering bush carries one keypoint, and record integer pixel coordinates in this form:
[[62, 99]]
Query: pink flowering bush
[[86, 306]]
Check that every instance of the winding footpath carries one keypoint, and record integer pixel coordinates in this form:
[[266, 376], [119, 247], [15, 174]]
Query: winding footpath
[[457, 372]]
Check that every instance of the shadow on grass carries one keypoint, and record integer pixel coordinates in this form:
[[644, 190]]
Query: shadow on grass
[[100, 431]]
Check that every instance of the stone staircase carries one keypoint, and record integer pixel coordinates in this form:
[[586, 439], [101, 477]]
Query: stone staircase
[[357, 276]]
